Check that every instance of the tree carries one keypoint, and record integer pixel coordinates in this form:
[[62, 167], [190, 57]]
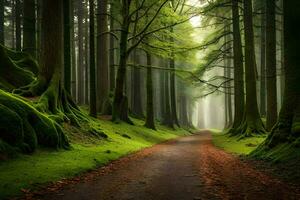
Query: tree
[[29, 27], [80, 66], [263, 61], [252, 122], [18, 25], [271, 64], [93, 91], [102, 54], [67, 45], [2, 22], [150, 106], [120, 103], [238, 67]]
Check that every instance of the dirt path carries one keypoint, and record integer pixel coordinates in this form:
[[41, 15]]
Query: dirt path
[[187, 168]]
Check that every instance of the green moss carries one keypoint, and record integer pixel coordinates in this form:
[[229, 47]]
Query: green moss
[[235, 144], [87, 153], [22, 126]]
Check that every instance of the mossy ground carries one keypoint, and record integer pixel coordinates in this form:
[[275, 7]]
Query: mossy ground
[[235, 145], [87, 152], [283, 161]]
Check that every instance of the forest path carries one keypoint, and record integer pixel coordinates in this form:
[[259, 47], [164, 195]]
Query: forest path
[[185, 168]]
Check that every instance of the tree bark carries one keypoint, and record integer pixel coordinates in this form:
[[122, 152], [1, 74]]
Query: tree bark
[[102, 54], [120, 103], [252, 124], [80, 66], [150, 106], [18, 25], [29, 28], [2, 22], [263, 62], [67, 45], [239, 100], [93, 92], [271, 64]]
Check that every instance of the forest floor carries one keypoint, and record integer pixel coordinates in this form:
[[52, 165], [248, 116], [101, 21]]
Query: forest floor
[[185, 168]]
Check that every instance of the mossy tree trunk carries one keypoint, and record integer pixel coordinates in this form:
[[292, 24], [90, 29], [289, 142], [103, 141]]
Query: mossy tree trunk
[[252, 123], [150, 106], [80, 65], [29, 126], [239, 100], [271, 64]]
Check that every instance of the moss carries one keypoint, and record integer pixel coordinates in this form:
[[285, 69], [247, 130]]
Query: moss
[[235, 144], [12, 75], [25, 127]]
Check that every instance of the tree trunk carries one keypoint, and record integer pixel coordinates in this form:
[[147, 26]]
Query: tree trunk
[[120, 103], [252, 124], [93, 96], [87, 53], [29, 28], [150, 107], [18, 25], [73, 53], [102, 54], [137, 107], [80, 66], [263, 62], [239, 101], [167, 118], [112, 75], [67, 46], [271, 65], [173, 86], [2, 22]]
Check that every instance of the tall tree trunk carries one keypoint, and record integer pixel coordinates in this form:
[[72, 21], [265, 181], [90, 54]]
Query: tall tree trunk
[[252, 124], [29, 28], [80, 66], [120, 104], [102, 54], [2, 22], [73, 53], [93, 96], [150, 107], [67, 45], [18, 25], [167, 118], [239, 101], [173, 86], [271, 65], [263, 62], [112, 76], [137, 107], [87, 54]]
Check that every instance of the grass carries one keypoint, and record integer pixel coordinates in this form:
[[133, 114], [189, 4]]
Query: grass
[[44, 166], [234, 144]]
